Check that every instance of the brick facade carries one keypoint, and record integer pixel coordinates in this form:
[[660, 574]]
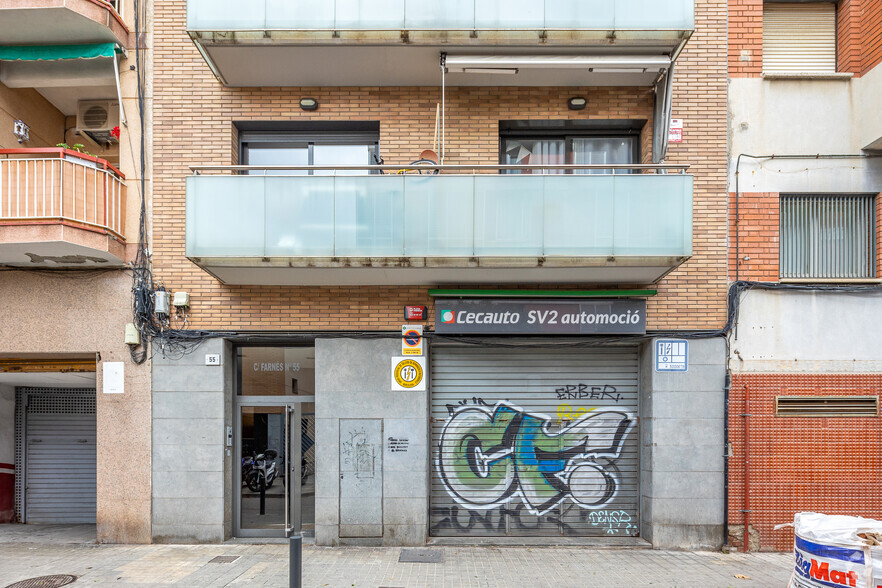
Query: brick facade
[[756, 231], [859, 34], [827, 465], [194, 124], [858, 37], [757, 237], [745, 38]]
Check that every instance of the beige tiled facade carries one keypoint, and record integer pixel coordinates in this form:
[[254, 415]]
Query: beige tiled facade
[[194, 124]]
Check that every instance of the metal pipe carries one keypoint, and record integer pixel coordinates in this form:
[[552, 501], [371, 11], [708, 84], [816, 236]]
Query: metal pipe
[[746, 415], [295, 561], [726, 455], [122, 111], [443, 106]]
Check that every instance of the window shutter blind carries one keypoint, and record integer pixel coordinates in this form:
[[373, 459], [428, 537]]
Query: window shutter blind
[[799, 38]]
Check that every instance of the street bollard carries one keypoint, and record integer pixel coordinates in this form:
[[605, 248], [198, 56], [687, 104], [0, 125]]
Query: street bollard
[[295, 560]]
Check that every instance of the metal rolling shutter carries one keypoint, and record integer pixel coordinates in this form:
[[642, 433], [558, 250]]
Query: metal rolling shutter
[[534, 442], [60, 458], [799, 38]]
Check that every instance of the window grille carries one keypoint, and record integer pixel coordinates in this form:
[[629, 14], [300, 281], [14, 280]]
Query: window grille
[[828, 237], [827, 406]]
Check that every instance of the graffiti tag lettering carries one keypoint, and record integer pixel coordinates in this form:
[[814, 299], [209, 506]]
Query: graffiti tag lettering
[[614, 521], [489, 455], [586, 392]]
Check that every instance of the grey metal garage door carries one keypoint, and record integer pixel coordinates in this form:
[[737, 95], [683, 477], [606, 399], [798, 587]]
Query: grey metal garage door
[[534, 442], [59, 457]]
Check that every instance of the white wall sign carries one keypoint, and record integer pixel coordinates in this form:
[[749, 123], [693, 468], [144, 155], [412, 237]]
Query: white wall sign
[[675, 132], [113, 377], [212, 359], [671, 355], [409, 373]]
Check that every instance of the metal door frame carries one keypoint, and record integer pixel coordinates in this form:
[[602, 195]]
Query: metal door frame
[[291, 404]]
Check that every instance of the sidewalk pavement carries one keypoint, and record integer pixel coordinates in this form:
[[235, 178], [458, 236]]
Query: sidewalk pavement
[[484, 567]]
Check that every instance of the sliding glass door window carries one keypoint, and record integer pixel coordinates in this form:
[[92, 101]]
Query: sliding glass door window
[[268, 149], [569, 150]]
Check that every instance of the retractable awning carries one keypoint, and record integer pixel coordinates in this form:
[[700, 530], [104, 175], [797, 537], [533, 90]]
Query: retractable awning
[[56, 52], [593, 63], [62, 66], [628, 70]]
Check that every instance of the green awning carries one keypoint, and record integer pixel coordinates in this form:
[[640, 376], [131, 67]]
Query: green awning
[[55, 52]]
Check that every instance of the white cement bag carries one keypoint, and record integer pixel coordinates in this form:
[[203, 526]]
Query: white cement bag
[[829, 552]]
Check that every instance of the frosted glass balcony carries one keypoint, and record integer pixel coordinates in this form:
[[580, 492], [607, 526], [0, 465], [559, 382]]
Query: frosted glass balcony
[[424, 15], [254, 43], [435, 229]]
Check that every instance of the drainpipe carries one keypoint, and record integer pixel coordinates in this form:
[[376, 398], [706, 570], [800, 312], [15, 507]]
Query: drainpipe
[[726, 455], [746, 509]]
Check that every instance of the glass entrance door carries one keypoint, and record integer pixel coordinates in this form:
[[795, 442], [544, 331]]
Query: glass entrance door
[[274, 441], [276, 478]]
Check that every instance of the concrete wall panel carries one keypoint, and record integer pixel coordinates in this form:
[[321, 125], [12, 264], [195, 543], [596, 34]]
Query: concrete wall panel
[[353, 380], [191, 471], [808, 332], [682, 447]]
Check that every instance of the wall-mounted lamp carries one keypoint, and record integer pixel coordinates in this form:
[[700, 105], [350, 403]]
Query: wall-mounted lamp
[[308, 104], [577, 103], [21, 131]]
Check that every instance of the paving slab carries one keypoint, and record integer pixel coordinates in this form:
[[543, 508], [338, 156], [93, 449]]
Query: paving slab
[[473, 567]]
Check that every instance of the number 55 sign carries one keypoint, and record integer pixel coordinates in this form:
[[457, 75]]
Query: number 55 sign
[[409, 373]]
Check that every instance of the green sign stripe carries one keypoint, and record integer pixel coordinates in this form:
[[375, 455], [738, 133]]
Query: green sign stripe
[[542, 293]]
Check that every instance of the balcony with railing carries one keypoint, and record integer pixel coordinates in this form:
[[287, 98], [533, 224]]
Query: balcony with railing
[[464, 225], [60, 208], [61, 22], [397, 42]]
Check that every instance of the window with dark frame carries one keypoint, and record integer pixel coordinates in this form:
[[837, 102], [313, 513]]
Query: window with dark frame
[[309, 144], [569, 142]]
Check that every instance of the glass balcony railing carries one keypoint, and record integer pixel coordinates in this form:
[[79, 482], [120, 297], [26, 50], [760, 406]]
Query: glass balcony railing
[[415, 15], [445, 216]]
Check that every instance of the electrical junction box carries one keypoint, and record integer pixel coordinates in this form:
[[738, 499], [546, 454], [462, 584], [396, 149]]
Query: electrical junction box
[[161, 302], [181, 300], [133, 337]]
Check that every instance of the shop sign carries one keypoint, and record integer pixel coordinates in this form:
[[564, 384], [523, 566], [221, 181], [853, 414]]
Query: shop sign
[[411, 339], [408, 373], [540, 317]]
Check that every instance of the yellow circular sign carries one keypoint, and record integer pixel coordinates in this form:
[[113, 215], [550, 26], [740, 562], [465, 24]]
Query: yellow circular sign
[[408, 373]]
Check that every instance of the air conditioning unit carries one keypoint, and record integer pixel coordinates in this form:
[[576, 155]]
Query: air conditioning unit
[[96, 119]]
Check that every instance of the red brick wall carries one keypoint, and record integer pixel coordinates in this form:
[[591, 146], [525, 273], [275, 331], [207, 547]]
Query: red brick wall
[[757, 236], [871, 33], [848, 36], [745, 38], [193, 116], [828, 465], [858, 33]]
